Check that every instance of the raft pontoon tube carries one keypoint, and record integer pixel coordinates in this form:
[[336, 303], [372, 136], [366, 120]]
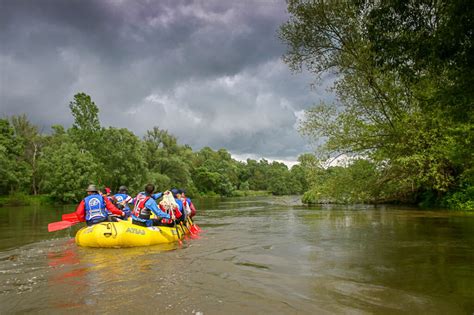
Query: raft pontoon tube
[[126, 234]]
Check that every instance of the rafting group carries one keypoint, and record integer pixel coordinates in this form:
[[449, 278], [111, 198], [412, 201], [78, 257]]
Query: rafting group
[[154, 219]]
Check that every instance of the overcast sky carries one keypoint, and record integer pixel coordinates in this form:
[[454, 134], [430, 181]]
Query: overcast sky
[[210, 72]]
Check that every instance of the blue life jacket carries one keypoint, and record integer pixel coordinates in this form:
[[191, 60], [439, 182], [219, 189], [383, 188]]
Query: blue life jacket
[[120, 198], [95, 207]]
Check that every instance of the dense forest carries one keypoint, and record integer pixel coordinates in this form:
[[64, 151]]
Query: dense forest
[[63, 163]]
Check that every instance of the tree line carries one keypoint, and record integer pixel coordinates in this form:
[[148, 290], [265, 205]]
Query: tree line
[[405, 98], [63, 163]]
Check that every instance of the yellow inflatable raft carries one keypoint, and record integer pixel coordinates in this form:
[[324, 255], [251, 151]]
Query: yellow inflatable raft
[[126, 234]]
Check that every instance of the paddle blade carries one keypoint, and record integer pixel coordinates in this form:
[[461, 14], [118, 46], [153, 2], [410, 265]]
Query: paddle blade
[[196, 227], [191, 229], [71, 217], [194, 230], [60, 225]]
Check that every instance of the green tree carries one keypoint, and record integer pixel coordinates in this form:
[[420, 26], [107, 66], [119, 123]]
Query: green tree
[[222, 170], [124, 163], [32, 143], [391, 86], [279, 179], [298, 182], [165, 156], [14, 172], [65, 169], [258, 174], [161, 182], [86, 129], [429, 43], [85, 113]]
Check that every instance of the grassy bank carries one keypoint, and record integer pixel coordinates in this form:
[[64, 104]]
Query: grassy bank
[[238, 193], [250, 193], [20, 199]]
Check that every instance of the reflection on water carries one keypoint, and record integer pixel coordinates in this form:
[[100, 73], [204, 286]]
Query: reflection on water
[[260, 256]]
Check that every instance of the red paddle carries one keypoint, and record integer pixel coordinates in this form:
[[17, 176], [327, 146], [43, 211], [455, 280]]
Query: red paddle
[[194, 226], [71, 217], [60, 225]]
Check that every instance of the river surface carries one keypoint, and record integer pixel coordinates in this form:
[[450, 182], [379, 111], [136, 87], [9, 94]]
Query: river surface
[[267, 255]]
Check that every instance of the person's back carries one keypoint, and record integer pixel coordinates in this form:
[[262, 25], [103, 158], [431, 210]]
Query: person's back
[[122, 200], [188, 205], [94, 207], [145, 205]]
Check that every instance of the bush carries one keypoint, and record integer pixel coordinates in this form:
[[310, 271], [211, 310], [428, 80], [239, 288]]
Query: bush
[[22, 199], [460, 200]]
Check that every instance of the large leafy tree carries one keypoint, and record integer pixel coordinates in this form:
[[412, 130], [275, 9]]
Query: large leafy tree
[[85, 113], [32, 142], [14, 171], [124, 161], [258, 174], [279, 179], [66, 170], [430, 45], [86, 129], [168, 162], [215, 171], [394, 91]]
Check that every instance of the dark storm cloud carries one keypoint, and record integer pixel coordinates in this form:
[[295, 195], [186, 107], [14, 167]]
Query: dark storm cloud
[[208, 71]]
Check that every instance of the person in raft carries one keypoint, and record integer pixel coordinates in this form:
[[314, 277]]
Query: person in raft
[[177, 197], [93, 209], [107, 193], [145, 205], [188, 205], [171, 206], [121, 199]]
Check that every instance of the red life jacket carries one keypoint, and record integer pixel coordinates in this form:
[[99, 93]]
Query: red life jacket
[[140, 210], [193, 210]]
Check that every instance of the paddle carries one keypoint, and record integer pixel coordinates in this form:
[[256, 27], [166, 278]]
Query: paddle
[[196, 227], [192, 233], [60, 225], [179, 237], [191, 226], [71, 217], [184, 225]]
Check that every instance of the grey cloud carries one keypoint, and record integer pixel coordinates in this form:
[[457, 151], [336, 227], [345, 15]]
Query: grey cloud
[[211, 66]]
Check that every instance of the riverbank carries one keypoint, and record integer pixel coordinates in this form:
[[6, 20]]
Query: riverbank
[[20, 199]]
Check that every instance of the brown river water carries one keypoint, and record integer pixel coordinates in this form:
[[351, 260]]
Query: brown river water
[[267, 255]]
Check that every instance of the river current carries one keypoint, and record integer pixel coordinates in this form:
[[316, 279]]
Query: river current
[[266, 255]]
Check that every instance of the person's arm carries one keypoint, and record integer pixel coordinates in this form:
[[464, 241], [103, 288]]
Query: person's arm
[[110, 206], [81, 211], [129, 199], [151, 204], [157, 195]]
